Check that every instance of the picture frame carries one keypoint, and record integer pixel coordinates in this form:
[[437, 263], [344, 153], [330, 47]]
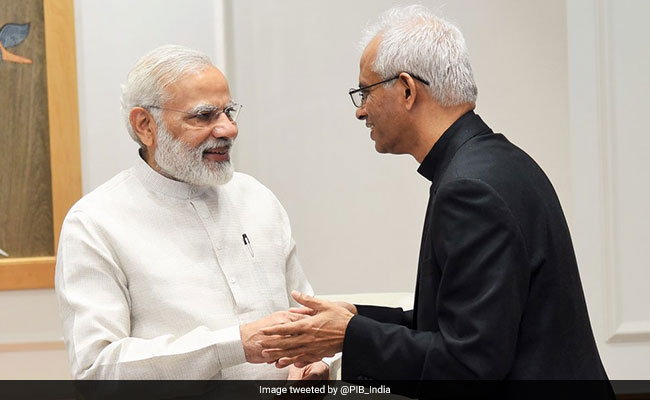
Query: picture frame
[[65, 159]]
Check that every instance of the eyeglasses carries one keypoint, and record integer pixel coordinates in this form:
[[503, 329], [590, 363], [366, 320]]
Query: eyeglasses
[[206, 116], [359, 95]]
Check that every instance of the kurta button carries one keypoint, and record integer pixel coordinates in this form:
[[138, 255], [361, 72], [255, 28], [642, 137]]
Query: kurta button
[[233, 280]]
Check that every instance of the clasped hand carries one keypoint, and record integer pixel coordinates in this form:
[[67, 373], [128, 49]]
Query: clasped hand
[[251, 334], [313, 332]]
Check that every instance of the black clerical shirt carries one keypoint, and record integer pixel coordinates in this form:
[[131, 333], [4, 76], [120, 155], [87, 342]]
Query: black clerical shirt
[[498, 292]]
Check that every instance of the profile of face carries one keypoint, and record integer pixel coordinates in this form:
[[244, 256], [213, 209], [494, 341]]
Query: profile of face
[[379, 110], [193, 143]]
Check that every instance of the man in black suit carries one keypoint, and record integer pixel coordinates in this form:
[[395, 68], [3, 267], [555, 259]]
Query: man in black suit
[[498, 291]]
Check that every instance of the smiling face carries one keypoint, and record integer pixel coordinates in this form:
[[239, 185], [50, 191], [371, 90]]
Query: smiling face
[[189, 149], [381, 109]]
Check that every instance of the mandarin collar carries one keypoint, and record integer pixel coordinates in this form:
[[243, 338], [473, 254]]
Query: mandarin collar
[[462, 130], [155, 182]]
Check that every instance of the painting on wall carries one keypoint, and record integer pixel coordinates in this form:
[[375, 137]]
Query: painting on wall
[[39, 137], [25, 179], [12, 35]]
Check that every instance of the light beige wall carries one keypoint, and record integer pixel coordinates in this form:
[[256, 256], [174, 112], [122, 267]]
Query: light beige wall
[[30, 338], [609, 147], [49, 364], [357, 215]]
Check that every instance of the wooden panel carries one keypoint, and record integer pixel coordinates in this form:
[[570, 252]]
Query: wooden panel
[[27, 273], [65, 163], [25, 179]]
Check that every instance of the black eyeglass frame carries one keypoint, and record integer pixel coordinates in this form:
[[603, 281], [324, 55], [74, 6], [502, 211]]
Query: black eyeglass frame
[[354, 91]]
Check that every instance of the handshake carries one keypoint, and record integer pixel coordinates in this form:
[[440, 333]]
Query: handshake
[[299, 337]]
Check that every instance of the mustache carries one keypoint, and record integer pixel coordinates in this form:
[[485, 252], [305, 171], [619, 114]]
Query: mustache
[[212, 143]]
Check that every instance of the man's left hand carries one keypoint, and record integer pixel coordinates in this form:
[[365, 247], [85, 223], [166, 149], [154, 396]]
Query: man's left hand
[[310, 339], [318, 371]]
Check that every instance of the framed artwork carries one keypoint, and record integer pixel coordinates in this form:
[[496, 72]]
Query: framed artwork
[[40, 166]]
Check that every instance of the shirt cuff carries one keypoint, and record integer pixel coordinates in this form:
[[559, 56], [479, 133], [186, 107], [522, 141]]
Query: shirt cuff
[[229, 348], [334, 364]]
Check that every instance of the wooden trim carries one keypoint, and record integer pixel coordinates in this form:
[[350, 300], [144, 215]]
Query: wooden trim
[[63, 106], [32, 346], [27, 273], [65, 158]]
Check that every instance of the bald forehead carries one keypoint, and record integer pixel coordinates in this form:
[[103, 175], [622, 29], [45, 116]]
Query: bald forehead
[[218, 72], [367, 59], [370, 51]]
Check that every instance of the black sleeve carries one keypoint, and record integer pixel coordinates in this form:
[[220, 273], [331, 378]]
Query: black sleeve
[[483, 288], [389, 315]]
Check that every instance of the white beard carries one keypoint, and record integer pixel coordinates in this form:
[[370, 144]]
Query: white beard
[[186, 164]]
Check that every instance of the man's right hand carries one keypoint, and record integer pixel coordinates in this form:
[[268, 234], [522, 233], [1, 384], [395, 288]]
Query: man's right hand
[[250, 334], [308, 311]]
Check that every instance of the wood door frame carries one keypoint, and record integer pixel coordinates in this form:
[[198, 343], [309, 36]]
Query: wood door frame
[[65, 158]]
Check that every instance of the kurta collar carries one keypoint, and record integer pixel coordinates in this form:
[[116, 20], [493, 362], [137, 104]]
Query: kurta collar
[[158, 183], [463, 129]]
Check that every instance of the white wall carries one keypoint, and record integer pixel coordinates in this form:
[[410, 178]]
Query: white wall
[[609, 83], [30, 336], [111, 37], [357, 215]]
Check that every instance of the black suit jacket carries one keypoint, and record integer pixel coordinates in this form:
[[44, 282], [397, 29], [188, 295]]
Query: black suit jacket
[[498, 292]]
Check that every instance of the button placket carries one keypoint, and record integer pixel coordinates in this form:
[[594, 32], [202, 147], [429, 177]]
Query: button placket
[[217, 244], [229, 256]]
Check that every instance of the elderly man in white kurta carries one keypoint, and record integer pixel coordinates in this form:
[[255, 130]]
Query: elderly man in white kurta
[[169, 269]]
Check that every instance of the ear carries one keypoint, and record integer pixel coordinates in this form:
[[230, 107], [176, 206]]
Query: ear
[[143, 125], [408, 89]]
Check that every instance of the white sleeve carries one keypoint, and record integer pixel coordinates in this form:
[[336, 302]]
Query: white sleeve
[[296, 279], [334, 364], [95, 309]]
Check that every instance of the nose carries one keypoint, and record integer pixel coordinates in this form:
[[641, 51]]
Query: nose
[[361, 113], [225, 128]]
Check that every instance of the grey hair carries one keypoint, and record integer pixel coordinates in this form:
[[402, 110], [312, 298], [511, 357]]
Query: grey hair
[[416, 41], [156, 70]]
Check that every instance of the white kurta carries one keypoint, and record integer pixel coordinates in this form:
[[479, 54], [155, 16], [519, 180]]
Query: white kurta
[[153, 278]]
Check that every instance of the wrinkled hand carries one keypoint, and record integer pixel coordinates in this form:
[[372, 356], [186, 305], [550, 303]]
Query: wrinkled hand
[[308, 311], [318, 371], [250, 334], [310, 338]]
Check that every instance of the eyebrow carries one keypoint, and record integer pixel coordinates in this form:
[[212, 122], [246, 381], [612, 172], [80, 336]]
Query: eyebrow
[[199, 108]]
